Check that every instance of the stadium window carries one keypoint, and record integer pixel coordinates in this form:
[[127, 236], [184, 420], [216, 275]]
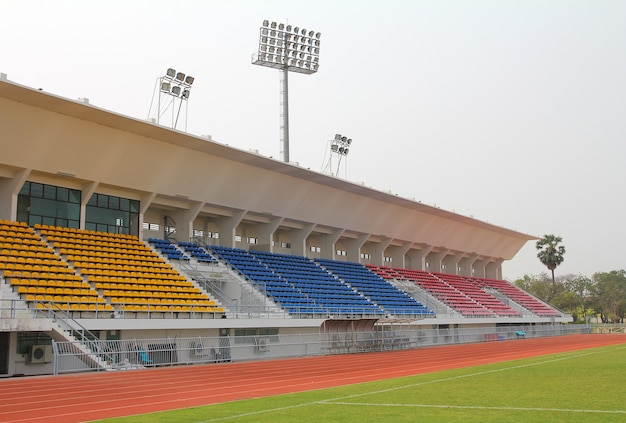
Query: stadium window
[[214, 235], [36, 190], [366, 256], [251, 240], [114, 203], [198, 232], [315, 249], [48, 204], [238, 238], [63, 194], [388, 259], [342, 253], [74, 196], [102, 201], [111, 214], [49, 192], [284, 244]]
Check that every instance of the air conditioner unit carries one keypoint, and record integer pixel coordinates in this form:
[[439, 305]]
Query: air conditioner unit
[[40, 354], [262, 345], [197, 348]]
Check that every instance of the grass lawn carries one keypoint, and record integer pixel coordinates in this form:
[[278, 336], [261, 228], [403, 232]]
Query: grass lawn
[[581, 386]]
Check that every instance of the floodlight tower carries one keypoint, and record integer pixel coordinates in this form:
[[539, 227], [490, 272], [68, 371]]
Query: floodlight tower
[[339, 148], [288, 49], [176, 85]]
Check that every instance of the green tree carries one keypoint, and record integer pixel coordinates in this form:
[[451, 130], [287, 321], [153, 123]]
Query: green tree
[[609, 295], [542, 287], [580, 287], [550, 252]]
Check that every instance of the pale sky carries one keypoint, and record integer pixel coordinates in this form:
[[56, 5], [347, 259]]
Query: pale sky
[[511, 112]]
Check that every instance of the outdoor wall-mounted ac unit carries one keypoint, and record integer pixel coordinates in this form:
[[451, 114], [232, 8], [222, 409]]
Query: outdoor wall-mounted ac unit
[[40, 354], [262, 344]]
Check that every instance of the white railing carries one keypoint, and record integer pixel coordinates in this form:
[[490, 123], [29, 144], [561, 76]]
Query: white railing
[[106, 355]]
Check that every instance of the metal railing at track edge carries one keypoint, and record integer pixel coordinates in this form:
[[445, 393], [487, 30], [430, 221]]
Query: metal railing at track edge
[[158, 352]]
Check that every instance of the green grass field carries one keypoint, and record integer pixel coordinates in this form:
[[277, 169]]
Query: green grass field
[[582, 386]]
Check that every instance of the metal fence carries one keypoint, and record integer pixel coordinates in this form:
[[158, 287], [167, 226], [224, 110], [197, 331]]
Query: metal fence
[[101, 355]]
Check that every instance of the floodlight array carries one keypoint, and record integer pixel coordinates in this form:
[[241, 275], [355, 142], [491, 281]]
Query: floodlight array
[[176, 84], [340, 145], [283, 46]]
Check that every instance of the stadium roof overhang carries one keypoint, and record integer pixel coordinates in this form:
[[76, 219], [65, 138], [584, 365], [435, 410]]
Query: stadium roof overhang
[[78, 109]]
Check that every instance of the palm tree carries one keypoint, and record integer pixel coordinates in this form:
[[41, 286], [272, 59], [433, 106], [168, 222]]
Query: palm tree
[[550, 252]]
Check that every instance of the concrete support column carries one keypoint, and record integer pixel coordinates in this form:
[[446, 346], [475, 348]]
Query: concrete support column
[[9, 190], [398, 255], [86, 192], [379, 249], [418, 257], [436, 260], [467, 264], [144, 204], [184, 220], [493, 269], [453, 263], [354, 245], [228, 226], [329, 250], [298, 239], [265, 234], [480, 268]]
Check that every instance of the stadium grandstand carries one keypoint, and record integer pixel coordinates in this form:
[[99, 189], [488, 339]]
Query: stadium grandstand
[[124, 243]]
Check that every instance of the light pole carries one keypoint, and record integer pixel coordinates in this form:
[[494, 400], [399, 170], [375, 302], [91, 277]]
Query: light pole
[[178, 86], [339, 148], [289, 49]]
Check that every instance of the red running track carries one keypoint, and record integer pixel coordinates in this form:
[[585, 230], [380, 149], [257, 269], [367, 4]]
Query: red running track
[[90, 396]]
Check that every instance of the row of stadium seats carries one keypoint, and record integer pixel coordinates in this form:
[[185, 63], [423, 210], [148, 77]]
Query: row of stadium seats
[[167, 249], [28, 278], [189, 250], [282, 292], [156, 285], [482, 297], [50, 279], [469, 295], [444, 292], [519, 296], [122, 270], [384, 294], [197, 252], [318, 286]]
